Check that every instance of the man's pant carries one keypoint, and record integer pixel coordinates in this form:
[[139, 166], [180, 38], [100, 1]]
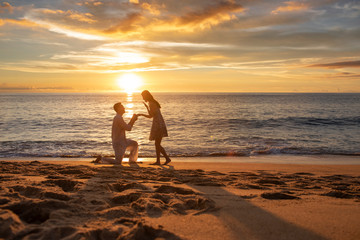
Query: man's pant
[[120, 149]]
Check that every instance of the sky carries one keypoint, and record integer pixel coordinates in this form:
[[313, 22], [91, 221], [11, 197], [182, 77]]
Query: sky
[[180, 45]]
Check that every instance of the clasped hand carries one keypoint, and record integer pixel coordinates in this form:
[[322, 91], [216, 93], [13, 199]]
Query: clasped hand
[[135, 117]]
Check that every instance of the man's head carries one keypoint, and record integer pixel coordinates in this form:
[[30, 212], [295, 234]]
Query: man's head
[[119, 108]]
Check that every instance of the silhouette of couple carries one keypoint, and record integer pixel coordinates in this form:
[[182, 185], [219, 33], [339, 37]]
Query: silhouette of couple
[[119, 141]]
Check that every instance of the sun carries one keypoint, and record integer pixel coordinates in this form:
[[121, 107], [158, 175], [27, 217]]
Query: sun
[[130, 82]]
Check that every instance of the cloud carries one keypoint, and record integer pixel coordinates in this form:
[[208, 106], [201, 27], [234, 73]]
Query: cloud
[[93, 20], [211, 15], [163, 17], [69, 14], [60, 17], [348, 6], [341, 76], [68, 23], [5, 87], [160, 35], [154, 9], [89, 3], [119, 19], [85, 17], [349, 9], [73, 33], [6, 7], [348, 75], [18, 22], [39, 66], [124, 56], [125, 25], [10, 89], [347, 64], [291, 7]]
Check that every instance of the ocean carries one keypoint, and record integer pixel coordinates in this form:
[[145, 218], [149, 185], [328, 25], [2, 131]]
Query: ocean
[[78, 125]]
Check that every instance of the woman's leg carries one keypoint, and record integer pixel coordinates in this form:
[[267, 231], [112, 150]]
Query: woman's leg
[[163, 152], [158, 149]]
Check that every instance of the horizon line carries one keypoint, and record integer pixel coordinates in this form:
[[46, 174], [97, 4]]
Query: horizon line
[[122, 92]]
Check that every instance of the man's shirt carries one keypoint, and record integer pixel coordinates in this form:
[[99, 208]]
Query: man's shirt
[[118, 130]]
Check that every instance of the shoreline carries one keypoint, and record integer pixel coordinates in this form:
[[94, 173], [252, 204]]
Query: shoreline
[[184, 200], [266, 159]]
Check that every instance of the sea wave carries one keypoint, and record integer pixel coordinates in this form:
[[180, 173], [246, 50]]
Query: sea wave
[[295, 121], [86, 150], [198, 124]]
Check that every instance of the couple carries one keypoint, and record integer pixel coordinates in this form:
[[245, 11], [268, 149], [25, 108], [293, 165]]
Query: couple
[[121, 144]]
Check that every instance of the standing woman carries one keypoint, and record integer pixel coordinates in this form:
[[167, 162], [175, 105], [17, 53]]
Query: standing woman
[[158, 128]]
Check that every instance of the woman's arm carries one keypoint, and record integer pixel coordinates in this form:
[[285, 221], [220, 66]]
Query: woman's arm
[[149, 115], [144, 115]]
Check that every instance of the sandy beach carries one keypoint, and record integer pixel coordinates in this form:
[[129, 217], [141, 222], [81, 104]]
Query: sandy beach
[[186, 200]]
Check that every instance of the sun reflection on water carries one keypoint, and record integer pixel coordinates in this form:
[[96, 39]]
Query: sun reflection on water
[[129, 106]]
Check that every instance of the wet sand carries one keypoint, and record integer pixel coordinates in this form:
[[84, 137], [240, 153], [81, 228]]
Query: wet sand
[[186, 200]]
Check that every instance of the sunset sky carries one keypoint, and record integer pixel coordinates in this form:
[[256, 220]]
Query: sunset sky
[[180, 45]]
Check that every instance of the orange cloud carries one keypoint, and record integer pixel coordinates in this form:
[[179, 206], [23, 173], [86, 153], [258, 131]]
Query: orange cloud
[[153, 9], [291, 7], [74, 15], [21, 22], [125, 25], [130, 18], [204, 18], [70, 23], [211, 15], [50, 11], [5, 6], [335, 65], [86, 17], [97, 3], [201, 19], [90, 3]]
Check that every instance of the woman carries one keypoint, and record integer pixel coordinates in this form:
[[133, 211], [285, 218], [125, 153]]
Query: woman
[[158, 128]]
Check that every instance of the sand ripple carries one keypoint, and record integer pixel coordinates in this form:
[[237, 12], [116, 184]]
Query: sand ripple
[[39, 200]]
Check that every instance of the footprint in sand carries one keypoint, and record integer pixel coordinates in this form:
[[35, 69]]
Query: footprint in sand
[[278, 196], [65, 184], [36, 212]]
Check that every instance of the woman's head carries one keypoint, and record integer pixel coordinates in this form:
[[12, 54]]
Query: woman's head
[[148, 97]]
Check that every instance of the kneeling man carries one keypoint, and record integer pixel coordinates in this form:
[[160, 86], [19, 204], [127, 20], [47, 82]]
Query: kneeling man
[[119, 142]]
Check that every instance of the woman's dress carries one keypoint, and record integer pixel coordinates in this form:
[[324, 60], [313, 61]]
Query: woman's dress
[[158, 128]]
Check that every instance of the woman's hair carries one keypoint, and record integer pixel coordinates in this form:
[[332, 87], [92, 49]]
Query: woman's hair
[[148, 97]]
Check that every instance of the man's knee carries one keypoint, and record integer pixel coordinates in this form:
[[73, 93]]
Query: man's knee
[[133, 143]]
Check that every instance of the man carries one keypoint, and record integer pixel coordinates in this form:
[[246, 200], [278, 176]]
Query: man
[[119, 142]]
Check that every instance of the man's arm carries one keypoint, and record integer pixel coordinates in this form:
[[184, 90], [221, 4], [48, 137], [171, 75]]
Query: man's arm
[[126, 126], [132, 121]]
